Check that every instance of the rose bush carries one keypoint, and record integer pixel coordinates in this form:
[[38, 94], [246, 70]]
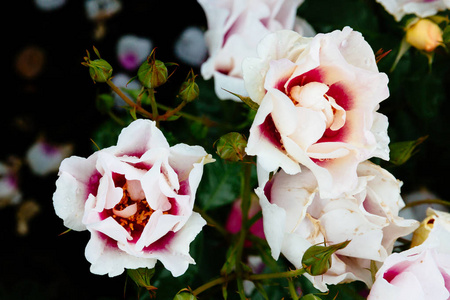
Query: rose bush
[[136, 199], [421, 272], [297, 217], [318, 102], [235, 27]]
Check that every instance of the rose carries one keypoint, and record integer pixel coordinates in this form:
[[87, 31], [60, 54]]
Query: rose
[[424, 35], [421, 272], [234, 29], [318, 102], [296, 217], [421, 8], [413, 275], [136, 199]]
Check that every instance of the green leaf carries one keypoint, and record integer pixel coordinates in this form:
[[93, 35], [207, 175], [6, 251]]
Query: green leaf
[[446, 34], [401, 152], [104, 102], [220, 185], [230, 262], [247, 100], [310, 297]]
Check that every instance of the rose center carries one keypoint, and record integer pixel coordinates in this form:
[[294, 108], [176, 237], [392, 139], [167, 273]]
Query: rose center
[[132, 214], [314, 96]]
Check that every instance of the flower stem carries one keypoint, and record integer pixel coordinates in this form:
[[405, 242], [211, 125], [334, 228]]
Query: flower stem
[[252, 277], [151, 93], [212, 283], [188, 116], [172, 112], [427, 201], [287, 274], [128, 101], [292, 290]]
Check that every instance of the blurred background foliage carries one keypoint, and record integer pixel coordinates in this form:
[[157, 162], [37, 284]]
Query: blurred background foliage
[[60, 103]]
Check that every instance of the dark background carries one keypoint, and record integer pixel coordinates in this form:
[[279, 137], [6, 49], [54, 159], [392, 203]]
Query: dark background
[[60, 103]]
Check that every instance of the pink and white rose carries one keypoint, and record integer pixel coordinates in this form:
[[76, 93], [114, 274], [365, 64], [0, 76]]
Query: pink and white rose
[[235, 28], [421, 8], [297, 217], [318, 102], [136, 199], [421, 272]]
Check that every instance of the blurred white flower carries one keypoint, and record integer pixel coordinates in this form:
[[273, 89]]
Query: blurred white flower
[[101, 9], [48, 5], [420, 8], [45, 158], [190, 47], [133, 50], [10, 193]]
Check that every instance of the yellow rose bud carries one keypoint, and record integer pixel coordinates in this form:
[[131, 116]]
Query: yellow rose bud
[[421, 233], [424, 35]]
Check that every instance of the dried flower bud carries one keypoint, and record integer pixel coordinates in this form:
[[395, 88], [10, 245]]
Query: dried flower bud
[[317, 259], [152, 73], [424, 35], [99, 69]]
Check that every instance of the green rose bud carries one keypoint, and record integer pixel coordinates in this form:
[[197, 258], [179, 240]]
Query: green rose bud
[[231, 146], [184, 294], [153, 73], [99, 69], [317, 259], [189, 90]]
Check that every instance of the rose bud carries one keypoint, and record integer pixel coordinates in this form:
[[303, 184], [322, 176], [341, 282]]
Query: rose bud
[[424, 35], [189, 89], [317, 259], [99, 69], [153, 73]]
